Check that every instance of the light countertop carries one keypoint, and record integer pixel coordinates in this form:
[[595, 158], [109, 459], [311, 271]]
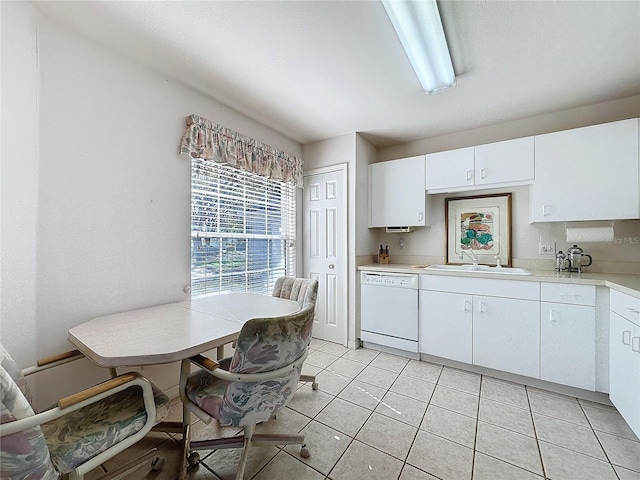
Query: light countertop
[[629, 284]]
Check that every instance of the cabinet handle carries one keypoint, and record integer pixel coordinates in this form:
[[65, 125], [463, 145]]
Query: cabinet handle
[[419, 216], [483, 172], [633, 344], [467, 306], [626, 334], [568, 295], [633, 310], [469, 174], [545, 210], [552, 316], [483, 308]]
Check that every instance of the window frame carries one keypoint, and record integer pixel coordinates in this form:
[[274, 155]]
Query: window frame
[[236, 211]]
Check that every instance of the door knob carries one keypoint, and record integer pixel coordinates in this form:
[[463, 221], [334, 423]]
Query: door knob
[[331, 266]]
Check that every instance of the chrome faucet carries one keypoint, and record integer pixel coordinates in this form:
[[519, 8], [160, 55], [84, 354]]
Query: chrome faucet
[[474, 257]]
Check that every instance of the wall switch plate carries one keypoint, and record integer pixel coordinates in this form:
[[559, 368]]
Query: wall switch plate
[[547, 248]]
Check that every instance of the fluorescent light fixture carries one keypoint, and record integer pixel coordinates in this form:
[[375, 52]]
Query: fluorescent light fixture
[[418, 25]]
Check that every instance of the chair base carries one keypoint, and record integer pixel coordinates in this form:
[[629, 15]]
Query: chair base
[[248, 440], [310, 378], [128, 468]]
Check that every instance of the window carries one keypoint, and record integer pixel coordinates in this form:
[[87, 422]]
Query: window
[[242, 230]]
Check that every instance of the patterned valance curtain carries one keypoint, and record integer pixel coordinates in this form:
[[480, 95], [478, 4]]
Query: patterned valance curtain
[[209, 141]]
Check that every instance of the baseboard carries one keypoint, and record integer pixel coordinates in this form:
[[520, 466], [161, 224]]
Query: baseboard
[[173, 392], [598, 397]]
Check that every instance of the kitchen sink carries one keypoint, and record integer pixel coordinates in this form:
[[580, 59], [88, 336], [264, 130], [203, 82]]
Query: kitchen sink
[[479, 269]]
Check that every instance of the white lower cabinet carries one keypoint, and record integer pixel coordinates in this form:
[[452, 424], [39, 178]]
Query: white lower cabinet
[[466, 320], [568, 345], [446, 325], [624, 349], [506, 334], [568, 335]]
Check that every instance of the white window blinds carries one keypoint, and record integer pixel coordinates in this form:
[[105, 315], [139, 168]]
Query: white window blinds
[[242, 230]]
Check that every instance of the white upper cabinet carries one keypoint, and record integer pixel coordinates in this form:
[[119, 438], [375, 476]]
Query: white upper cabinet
[[505, 162], [450, 169], [588, 173], [397, 193], [492, 165]]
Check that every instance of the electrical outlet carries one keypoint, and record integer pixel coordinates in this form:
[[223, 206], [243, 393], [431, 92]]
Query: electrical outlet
[[401, 244], [547, 248]]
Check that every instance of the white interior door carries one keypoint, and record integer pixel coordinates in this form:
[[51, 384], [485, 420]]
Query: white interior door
[[325, 248]]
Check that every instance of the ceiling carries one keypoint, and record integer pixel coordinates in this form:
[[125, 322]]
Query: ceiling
[[313, 70]]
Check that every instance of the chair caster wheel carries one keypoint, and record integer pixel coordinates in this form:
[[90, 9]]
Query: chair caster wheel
[[314, 386], [193, 459], [304, 452], [157, 464]]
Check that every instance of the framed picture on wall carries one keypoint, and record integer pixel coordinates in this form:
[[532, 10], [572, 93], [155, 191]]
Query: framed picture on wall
[[479, 225]]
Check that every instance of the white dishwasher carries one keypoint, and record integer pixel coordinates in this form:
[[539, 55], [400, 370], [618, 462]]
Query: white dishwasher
[[389, 310]]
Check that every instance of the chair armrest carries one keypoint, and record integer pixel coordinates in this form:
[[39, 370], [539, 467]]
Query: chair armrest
[[91, 392], [205, 363], [70, 355], [53, 361], [87, 397]]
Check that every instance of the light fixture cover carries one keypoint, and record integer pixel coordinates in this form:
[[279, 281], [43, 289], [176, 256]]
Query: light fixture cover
[[418, 25]]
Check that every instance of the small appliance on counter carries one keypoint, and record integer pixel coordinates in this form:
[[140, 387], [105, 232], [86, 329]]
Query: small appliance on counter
[[573, 260]]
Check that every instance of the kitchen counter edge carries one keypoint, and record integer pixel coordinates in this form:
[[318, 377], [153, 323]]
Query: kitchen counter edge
[[629, 284]]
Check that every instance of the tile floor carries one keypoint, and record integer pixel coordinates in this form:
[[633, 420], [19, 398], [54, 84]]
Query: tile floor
[[383, 417]]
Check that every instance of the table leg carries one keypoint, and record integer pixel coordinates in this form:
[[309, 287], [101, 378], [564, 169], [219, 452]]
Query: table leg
[[186, 441]]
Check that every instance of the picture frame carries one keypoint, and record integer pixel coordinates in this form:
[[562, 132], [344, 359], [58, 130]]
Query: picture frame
[[481, 225]]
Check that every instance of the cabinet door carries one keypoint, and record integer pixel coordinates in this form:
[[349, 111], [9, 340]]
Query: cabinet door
[[505, 162], [624, 369], [506, 335], [446, 325], [588, 173], [451, 169], [567, 345], [397, 193]]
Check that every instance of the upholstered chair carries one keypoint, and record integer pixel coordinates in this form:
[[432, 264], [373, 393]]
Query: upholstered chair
[[252, 386], [81, 431], [305, 292]]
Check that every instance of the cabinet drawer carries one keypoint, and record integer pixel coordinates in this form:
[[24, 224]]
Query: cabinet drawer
[[625, 305], [568, 293], [482, 286]]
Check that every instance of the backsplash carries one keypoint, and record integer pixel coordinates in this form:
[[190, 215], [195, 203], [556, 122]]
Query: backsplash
[[426, 245]]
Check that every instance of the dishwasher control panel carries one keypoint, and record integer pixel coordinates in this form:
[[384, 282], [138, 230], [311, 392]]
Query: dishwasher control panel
[[389, 280]]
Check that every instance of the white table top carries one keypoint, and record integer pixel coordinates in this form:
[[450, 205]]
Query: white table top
[[172, 332]]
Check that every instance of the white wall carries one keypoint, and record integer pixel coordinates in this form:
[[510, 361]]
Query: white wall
[[551, 122], [335, 151], [18, 179], [365, 155], [100, 217], [366, 238], [357, 153]]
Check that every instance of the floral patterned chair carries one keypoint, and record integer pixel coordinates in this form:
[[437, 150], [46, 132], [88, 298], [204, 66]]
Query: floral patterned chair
[[79, 433], [252, 386], [304, 291]]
